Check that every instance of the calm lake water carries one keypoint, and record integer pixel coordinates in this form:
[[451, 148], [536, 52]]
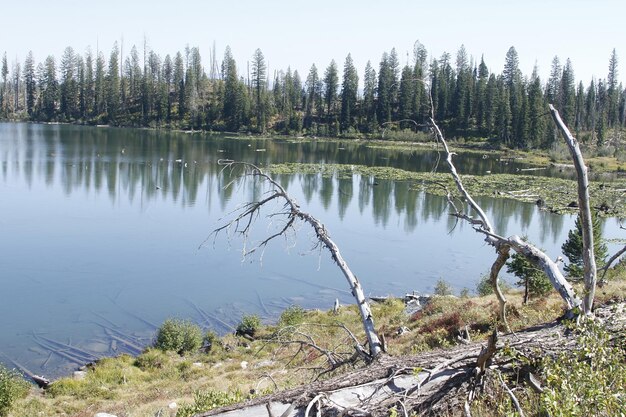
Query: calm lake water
[[104, 235]]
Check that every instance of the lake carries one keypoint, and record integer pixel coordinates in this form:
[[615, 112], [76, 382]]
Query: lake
[[107, 232]]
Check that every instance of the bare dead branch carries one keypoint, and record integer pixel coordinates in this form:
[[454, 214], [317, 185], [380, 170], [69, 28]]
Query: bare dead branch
[[612, 259], [518, 407], [243, 221]]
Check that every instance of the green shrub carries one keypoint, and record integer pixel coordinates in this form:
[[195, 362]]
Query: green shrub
[[210, 340], [180, 336], [12, 387], [151, 359], [248, 326], [443, 288], [208, 400], [484, 286], [588, 380], [292, 316]]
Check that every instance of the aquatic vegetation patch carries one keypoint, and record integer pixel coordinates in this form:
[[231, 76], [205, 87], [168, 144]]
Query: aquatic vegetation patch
[[553, 194]]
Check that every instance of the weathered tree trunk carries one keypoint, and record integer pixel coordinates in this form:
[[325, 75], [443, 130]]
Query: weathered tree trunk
[[483, 225], [503, 256], [244, 219], [589, 259]]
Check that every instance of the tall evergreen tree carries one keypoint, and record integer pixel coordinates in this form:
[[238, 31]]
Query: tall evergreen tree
[[30, 83], [406, 98], [89, 85], [3, 88], [259, 75], [481, 96], [384, 90], [369, 98], [536, 111], [100, 87], [49, 90], [179, 85], [68, 87], [331, 85], [112, 88], [568, 94], [349, 91], [234, 102], [313, 103], [612, 91]]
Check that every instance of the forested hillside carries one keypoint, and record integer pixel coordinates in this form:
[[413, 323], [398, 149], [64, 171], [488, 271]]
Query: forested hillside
[[142, 88]]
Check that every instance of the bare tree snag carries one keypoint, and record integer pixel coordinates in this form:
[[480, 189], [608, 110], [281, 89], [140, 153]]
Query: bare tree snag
[[483, 225], [612, 259], [483, 222], [589, 260], [242, 223]]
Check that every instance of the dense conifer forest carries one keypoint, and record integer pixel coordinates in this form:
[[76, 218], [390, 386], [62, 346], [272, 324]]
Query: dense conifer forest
[[142, 89]]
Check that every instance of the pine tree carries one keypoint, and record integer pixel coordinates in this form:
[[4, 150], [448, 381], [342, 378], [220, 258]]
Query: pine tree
[[3, 88], [536, 111], [68, 87], [259, 74], [313, 102], [331, 85], [112, 88], [612, 91], [534, 281], [568, 94], [30, 83], [349, 90], [573, 247], [406, 101], [369, 98], [49, 90], [384, 90]]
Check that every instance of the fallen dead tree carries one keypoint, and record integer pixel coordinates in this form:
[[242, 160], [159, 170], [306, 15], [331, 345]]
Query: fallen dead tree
[[244, 218], [433, 383]]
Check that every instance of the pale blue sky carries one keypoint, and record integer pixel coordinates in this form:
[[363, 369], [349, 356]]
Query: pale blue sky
[[297, 33]]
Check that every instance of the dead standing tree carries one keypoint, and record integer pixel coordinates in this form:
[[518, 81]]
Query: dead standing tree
[[246, 215], [502, 245], [589, 260]]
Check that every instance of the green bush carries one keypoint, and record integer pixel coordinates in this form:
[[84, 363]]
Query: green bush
[[588, 380], [248, 326], [12, 387], [484, 286], [151, 359], [292, 316], [180, 336], [443, 288], [208, 400], [210, 341]]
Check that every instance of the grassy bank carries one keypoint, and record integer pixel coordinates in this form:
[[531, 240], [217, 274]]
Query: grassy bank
[[293, 351]]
